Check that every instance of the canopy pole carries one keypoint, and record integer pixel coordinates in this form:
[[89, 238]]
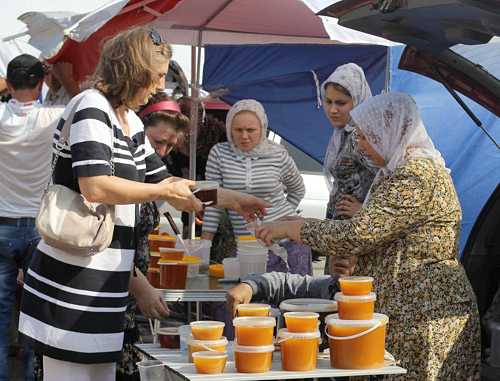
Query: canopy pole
[[454, 94]]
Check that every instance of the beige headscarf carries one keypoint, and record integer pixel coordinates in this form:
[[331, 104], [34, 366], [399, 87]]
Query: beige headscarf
[[392, 125]]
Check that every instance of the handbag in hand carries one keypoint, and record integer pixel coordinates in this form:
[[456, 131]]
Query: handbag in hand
[[66, 220]]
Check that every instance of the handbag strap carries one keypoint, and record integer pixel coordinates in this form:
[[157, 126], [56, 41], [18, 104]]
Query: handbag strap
[[63, 140]]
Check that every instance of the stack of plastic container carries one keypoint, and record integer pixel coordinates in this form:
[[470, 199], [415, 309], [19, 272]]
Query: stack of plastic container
[[356, 334], [206, 336], [155, 243], [252, 256], [253, 347], [299, 342]]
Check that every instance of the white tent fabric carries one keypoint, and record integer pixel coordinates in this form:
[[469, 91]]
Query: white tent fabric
[[11, 49]]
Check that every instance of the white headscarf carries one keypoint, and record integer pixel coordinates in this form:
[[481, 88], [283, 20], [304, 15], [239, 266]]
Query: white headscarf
[[265, 147], [392, 125], [351, 77]]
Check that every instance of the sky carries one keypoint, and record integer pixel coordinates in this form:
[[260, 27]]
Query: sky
[[15, 8]]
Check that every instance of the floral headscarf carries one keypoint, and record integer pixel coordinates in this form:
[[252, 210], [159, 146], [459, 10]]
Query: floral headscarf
[[265, 147], [352, 78], [392, 125]]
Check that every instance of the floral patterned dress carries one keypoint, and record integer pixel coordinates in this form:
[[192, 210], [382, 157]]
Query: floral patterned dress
[[406, 237]]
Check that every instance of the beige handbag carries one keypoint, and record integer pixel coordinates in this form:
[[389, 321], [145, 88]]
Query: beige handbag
[[66, 220]]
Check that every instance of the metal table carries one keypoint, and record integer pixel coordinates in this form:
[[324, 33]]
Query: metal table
[[179, 369]]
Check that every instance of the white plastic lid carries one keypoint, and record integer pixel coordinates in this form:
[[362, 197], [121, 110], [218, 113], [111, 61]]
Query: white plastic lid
[[208, 343], [254, 306], [255, 321], [253, 349], [207, 324], [155, 254], [340, 297], [184, 329], [176, 249], [285, 333], [309, 305], [205, 185], [356, 279], [172, 331], [209, 355], [301, 315], [334, 319]]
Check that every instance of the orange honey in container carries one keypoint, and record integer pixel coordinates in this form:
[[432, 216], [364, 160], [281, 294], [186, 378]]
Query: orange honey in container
[[357, 344], [299, 350], [253, 309], [359, 307], [356, 285], [301, 321], [207, 330], [171, 253], [208, 362], [254, 330], [252, 359], [205, 345], [153, 277], [157, 241], [173, 274], [155, 257]]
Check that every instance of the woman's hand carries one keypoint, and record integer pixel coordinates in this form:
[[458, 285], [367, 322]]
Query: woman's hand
[[240, 294], [272, 232], [349, 206], [152, 304], [291, 218], [248, 206], [177, 192]]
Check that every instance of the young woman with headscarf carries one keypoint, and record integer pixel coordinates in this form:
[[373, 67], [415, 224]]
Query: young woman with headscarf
[[406, 236], [253, 164]]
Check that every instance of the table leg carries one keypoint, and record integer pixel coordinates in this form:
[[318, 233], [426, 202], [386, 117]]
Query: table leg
[[156, 325], [198, 310]]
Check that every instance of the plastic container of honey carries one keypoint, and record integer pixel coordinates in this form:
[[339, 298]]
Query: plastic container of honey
[[356, 285], [205, 345], [157, 241], [155, 257], [168, 337], [253, 309], [173, 274], [171, 254], [301, 321], [299, 350], [207, 330], [254, 330], [153, 277], [206, 192], [357, 344], [253, 359], [208, 362], [359, 307]]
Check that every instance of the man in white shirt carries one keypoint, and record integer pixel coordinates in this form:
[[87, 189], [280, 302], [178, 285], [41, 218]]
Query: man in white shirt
[[26, 134]]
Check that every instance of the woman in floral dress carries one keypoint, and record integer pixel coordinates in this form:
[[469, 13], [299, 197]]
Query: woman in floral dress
[[406, 236]]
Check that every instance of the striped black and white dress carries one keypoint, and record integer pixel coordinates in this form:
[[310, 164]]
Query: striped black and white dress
[[73, 307], [274, 178]]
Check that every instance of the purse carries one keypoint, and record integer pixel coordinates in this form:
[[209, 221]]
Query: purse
[[66, 220]]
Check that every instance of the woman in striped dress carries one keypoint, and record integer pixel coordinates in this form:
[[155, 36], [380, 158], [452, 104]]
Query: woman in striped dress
[[73, 307], [249, 162]]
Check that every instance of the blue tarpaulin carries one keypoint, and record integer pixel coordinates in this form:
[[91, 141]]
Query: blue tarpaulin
[[281, 78]]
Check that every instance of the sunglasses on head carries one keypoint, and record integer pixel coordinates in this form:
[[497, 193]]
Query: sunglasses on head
[[156, 38]]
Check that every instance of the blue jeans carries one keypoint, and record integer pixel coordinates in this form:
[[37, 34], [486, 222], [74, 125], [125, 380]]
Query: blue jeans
[[18, 241]]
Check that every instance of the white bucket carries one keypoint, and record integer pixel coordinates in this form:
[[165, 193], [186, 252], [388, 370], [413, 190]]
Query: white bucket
[[152, 370], [252, 263], [231, 267]]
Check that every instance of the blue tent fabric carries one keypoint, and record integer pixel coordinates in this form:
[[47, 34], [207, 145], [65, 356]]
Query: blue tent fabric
[[280, 77], [472, 157]]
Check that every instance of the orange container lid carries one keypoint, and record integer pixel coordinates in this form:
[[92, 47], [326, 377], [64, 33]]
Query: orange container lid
[[247, 238], [217, 271], [154, 269], [161, 237]]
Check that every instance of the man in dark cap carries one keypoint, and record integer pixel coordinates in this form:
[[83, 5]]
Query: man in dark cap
[[26, 133]]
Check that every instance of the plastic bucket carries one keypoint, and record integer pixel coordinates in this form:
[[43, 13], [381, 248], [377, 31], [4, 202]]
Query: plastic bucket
[[152, 370], [199, 248], [168, 337], [205, 345], [356, 285], [231, 267], [254, 330], [208, 362], [253, 359], [171, 254], [157, 241], [358, 307], [184, 333], [299, 351], [153, 277], [357, 344], [173, 274], [253, 309], [207, 330], [252, 263]]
